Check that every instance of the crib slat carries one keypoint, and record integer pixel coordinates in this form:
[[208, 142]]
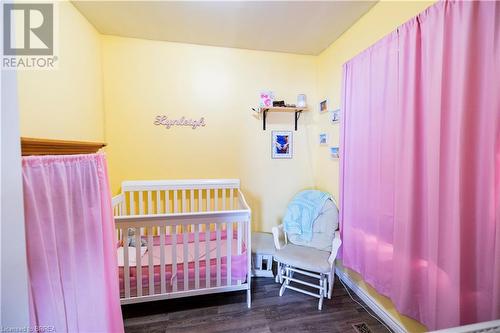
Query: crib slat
[[158, 201], [191, 207], [138, 264], [132, 202], [141, 203], [126, 268], [184, 207], [141, 206], [229, 243], [224, 199], [200, 206], [167, 202], [240, 231], [216, 199], [162, 260], [200, 201], [209, 208], [239, 242], [218, 250], [150, 261], [174, 257], [207, 255], [191, 200], [150, 203], [175, 201], [185, 263], [196, 257], [231, 198]]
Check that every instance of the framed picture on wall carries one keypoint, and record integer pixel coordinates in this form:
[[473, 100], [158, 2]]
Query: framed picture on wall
[[282, 144], [334, 152], [335, 116], [323, 106], [323, 139]]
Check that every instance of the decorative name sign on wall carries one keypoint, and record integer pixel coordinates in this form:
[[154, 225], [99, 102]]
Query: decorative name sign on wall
[[183, 121]]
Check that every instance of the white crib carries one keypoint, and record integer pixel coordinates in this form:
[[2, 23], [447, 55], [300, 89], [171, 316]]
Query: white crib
[[195, 237]]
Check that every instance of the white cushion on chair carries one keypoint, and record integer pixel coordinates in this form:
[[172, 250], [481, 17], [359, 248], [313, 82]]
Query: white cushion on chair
[[307, 258], [323, 229]]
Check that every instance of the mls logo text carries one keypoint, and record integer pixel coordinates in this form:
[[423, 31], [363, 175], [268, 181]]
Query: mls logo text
[[28, 36]]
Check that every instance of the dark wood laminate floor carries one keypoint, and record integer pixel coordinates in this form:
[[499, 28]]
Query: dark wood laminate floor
[[227, 312]]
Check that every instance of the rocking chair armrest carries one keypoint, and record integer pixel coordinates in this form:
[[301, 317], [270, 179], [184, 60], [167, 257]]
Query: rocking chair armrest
[[336, 242], [279, 237]]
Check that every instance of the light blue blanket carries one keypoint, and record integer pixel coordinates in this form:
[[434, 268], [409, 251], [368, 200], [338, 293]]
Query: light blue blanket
[[302, 211]]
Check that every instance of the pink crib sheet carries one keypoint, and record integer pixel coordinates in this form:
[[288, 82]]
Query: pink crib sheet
[[239, 267]]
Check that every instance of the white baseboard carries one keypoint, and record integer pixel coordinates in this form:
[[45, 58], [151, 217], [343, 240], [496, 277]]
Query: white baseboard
[[395, 325], [375, 306], [484, 327]]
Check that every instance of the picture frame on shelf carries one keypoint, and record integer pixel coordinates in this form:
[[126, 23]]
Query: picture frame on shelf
[[323, 106], [282, 144], [334, 152], [323, 139], [266, 98], [335, 116]]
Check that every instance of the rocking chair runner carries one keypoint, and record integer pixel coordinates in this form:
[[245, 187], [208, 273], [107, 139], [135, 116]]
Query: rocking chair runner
[[312, 259]]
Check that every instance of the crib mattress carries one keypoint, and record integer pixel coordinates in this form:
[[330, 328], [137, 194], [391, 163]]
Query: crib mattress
[[217, 270]]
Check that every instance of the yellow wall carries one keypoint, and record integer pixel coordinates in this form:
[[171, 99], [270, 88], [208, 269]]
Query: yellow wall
[[144, 78], [66, 103], [382, 19]]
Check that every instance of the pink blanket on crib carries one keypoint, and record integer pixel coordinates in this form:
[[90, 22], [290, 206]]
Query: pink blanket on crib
[[239, 267]]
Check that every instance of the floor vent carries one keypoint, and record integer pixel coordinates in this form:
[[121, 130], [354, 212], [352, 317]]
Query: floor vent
[[361, 328]]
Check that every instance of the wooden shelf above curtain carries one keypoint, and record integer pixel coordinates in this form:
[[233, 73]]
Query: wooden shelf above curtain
[[33, 146]]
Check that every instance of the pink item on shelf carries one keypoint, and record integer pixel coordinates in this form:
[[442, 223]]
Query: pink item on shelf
[[266, 99]]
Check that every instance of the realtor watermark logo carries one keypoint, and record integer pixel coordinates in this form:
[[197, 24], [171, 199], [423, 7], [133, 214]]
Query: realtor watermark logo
[[28, 36]]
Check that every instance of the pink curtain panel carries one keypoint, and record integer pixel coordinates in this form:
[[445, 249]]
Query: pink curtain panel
[[420, 165], [71, 245]]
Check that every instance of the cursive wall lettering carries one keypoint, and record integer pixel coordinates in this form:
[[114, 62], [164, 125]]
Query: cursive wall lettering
[[183, 121]]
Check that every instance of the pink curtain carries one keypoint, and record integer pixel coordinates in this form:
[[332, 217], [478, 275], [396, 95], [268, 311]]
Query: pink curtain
[[71, 245], [420, 173]]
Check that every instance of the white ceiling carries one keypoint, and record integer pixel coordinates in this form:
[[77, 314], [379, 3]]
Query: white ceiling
[[303, 27]]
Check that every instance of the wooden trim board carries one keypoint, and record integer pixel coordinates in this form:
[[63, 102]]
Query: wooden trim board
[[33, 146]]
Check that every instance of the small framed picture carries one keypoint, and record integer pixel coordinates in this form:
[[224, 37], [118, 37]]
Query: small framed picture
[[323, 106], [334, 152], [335, 116], [323, 139], [266, 98], [282, 144]]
